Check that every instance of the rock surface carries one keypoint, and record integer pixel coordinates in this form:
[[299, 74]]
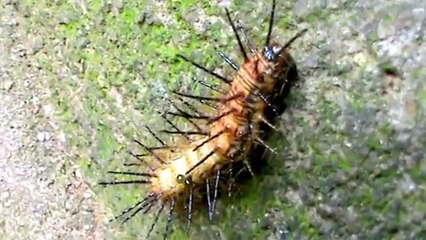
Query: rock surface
[[77, 81]]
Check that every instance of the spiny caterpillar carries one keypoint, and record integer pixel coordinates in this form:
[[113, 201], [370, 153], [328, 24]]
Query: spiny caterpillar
[[233, 127]]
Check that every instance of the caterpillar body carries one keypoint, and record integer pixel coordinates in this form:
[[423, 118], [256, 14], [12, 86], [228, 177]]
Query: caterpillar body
[[198, 161]]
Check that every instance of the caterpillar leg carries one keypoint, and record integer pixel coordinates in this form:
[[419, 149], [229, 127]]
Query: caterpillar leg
[[169, 219], [246, 38], [157, 215], [264, 120], [248, 166], [266, 145], [211, 200]]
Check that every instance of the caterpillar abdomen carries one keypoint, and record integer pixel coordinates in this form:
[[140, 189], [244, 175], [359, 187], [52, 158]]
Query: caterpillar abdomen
[[222, 138]]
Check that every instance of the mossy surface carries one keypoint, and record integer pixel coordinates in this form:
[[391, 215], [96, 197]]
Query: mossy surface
[[350, 159]]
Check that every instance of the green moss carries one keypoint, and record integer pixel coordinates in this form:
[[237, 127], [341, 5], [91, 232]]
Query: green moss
[[114, 65], [102, 49], [316, 16]]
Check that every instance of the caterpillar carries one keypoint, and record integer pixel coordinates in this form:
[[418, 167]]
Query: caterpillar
[[178, 173]]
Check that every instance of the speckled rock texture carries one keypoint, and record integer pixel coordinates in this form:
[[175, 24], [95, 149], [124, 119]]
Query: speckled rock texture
[[79, 79]]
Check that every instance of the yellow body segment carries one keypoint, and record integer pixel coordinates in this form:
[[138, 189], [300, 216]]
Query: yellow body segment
[[245, 113]]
